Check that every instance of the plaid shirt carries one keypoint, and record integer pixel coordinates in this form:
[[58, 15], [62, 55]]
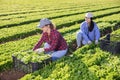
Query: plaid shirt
[[55, 40]]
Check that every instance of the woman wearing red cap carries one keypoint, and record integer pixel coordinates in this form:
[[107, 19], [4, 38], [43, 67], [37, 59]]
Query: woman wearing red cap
[[89, 31], [54, 42]]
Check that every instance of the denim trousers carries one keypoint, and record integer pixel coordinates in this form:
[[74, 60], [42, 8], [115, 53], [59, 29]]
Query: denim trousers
[[55, 54], [79, 39]]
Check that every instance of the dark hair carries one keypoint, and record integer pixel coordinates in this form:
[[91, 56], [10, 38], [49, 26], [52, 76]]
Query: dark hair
[[90, 28]]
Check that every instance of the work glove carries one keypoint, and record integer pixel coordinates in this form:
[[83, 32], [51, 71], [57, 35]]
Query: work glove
[[96, 41], [39, 50], [89, 42]]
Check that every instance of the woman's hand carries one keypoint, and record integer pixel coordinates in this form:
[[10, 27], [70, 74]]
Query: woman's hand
[[96, 41], [89, 42], [39, 50]]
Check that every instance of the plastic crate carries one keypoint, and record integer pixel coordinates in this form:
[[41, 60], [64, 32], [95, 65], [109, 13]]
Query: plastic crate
[[109, 45], [30, 67]]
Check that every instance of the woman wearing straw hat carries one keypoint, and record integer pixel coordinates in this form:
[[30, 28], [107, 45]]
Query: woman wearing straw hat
[[55, 44], [89, 31]]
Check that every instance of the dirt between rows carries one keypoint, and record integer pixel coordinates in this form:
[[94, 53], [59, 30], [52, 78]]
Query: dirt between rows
[[11, 75]]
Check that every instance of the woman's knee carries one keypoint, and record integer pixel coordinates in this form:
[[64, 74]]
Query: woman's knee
[[58, 54], [79, 34]]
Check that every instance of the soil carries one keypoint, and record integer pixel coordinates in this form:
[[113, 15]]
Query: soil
[[11, 75]]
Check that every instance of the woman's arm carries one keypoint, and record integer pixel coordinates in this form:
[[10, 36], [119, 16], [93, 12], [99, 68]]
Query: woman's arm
[[39, 42], [97, 33]]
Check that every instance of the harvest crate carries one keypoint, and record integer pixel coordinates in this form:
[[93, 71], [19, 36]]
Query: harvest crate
[[110, 43], [30, 67]]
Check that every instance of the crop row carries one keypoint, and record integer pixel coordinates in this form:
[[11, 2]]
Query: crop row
[[14, 7], [8, 34], [88, 62], [11, 21], [8, 48]]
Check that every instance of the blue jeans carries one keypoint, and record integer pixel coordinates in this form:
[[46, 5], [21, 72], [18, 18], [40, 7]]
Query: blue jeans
[[80, 40], [55, 54]]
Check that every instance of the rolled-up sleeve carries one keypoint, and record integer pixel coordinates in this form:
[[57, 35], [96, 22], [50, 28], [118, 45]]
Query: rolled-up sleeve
[[97, 33], [39, 42]]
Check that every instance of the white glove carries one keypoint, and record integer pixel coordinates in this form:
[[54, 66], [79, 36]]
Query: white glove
[[96, 41], [40, 50], [89, 42]]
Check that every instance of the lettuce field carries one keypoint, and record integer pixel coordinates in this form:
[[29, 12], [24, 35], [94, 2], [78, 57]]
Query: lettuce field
[[18, 32]]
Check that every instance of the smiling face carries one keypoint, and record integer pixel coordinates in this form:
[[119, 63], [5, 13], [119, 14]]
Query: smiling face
[[45, 28], [88, 19]]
